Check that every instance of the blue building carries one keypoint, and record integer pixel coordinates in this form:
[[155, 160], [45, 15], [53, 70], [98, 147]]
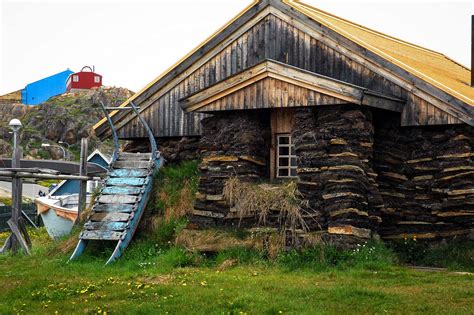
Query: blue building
[[41, 90], [69, 187]]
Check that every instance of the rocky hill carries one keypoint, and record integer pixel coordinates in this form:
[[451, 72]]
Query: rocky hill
[[65, 118]]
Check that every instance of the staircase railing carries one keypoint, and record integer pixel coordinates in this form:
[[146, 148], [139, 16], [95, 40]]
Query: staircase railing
[[114, 134], [151, 136]]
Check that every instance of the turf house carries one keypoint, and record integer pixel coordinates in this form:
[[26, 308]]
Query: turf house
[[374, 133]]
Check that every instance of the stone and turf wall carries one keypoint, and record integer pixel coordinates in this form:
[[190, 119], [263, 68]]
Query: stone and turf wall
[[426, 178], [362, 173], [232, 144], [335, 173]]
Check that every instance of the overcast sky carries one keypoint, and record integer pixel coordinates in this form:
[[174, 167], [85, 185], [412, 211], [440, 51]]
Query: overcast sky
[[132, 42]]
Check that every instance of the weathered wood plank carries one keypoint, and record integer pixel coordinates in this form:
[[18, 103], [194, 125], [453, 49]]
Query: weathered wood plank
[[131, 164], [110, 217], [113, 208], [125, 181], [134, 156], [112, 190], [128, 173], [118, 199], [101, 235], [106, 226]]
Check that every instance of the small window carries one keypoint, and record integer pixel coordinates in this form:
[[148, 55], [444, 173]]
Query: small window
[[96, 79], [286, 159], [75, 78]]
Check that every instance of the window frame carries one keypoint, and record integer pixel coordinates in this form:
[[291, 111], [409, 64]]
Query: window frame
[[96, 79], [75, 78], [290, 156]]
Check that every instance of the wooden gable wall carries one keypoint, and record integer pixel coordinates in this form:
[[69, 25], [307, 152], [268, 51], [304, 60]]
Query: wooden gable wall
[[268, 36], [271, 93]]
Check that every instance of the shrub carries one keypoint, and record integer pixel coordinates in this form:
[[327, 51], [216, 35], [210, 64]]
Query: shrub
[[371, 255], [409, 250], [177, 257], [454, 255]]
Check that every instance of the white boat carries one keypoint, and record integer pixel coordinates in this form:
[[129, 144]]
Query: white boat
[[58, 213]]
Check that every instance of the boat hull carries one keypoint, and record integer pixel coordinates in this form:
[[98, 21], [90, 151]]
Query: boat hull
[[58, 214]]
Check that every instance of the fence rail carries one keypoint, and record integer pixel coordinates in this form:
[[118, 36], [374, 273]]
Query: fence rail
[[6, 211]]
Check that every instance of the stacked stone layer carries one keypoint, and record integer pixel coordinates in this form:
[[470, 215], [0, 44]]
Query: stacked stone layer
[[233, 144], [335, 148], [426, 178]]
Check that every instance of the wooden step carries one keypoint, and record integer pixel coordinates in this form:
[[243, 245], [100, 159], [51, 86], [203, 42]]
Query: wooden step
[[134, 156], [129, 173], [118, 199], [101, 235], [125, 181], [110, 217], [123, 190], [106, 226], [113, 208], [131, 164]]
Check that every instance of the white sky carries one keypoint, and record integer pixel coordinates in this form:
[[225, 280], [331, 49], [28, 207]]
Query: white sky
[[132, 42]]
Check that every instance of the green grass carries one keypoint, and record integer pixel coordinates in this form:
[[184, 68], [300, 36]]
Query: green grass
[[170, 182], [178, 282]]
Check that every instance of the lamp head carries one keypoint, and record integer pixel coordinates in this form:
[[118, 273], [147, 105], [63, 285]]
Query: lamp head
[[15, 124]]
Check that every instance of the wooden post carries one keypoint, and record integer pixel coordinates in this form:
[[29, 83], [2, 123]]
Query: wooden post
[[19, 232], [16, 184], [83, 183], [17, 194]]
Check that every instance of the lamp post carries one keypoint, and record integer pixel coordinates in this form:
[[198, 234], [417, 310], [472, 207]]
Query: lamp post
[[15, 125], [47, 145], [68, 149], [19, 237]]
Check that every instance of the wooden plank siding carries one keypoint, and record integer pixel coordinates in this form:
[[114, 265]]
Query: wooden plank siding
[[419, 112], [273, 96], [269, 38]]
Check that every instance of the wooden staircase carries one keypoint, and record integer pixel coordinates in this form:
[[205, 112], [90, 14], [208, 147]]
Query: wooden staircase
[[123, 198]]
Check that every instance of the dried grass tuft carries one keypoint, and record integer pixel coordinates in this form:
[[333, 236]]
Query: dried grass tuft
[[65, 247], [272, 242], [209, 240], [249, 199]]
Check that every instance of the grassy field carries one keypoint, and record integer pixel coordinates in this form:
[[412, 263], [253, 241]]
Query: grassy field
[[157, 277], [152, 279]]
